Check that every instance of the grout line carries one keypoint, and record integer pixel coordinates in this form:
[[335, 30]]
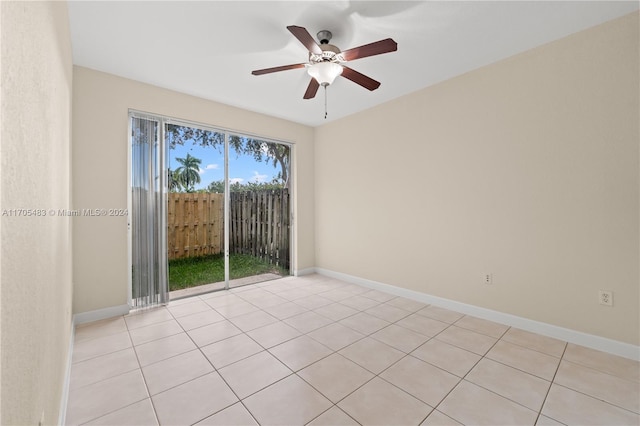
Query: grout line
[[553, 379]]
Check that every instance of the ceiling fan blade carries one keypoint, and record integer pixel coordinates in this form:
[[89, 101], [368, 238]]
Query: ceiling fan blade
[[376, 48], [361, 79], [312, 89], [305, 38], [276, 69]]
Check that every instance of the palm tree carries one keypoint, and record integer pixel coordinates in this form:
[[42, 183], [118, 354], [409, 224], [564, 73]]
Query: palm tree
[[189, 172], [174, 181]]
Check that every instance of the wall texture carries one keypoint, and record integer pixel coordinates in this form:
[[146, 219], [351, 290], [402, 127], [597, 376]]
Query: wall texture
[[100, 143], [36, 86], [526, 169]]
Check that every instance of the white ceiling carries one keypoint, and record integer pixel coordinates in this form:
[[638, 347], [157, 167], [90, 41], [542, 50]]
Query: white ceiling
[[209, 48]]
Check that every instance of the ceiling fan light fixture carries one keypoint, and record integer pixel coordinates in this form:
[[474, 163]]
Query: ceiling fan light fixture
[[325, 72]]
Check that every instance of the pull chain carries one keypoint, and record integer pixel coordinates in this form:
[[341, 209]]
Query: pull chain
[[325, 101]]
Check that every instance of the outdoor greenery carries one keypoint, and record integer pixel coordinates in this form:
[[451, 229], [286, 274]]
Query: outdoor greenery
[[279, 155], [195, 271]]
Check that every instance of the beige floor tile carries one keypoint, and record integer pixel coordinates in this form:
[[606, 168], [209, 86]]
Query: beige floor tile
[[336, 311], [447, 357], [381, 403], [614, 390], [253, 320], [333, 417], [407, 304], [537, 342], [175, 371], [223, 299], [269, 301], [372, 354], [288, 402], [360, 302], [547, 421], [213, 333], [424, 381], [336, 294], [101, 328], [400, 338], [96, 400], [308, 321], [313, 302], [530, 361], [335, 376], [471, 404], [441, 314], [423, 325], [364, 323], [92, 348], [273, 334], [194, 306], [379, 296], [254, 373], [466, 339], [236, 309], [230, 350], [479, 325], [335, 336], [193, 401], [388, 312], [236, 415], [607, 363], [513, 384], [164, 348], [355, 288], [294, 293], [436, 418], [147, 317], [154, 332], [574, 408], [139, 413], [189, 322], [102, 367], [285, 310], [300, 352]]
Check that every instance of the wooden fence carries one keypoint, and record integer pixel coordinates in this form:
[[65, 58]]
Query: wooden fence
[[195, 224], [259, 225]]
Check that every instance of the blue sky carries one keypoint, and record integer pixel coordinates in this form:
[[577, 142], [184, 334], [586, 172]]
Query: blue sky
[[242, 169]]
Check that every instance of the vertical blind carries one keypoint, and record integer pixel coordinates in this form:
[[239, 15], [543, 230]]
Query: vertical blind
[[148, 205]]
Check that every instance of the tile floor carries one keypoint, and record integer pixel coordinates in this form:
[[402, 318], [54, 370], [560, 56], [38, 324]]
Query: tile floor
[[314, 350]]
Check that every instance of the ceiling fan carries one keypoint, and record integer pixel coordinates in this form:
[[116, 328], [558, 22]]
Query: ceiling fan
[[326, 60]]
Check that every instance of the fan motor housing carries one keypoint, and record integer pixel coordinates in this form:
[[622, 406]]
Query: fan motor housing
[[330, 53]]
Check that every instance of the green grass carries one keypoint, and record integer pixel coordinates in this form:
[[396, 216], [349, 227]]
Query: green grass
[[195, 271]]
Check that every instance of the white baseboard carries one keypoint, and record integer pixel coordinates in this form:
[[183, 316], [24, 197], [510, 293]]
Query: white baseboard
[[99, 314], [302, 272], [615, 347], [64, 399]]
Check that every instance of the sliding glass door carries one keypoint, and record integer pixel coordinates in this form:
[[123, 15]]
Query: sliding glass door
[[210, 209]]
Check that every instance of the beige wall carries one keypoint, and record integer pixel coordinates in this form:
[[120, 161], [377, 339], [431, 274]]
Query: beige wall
[[526, 169], [100, 107], [36, 251]]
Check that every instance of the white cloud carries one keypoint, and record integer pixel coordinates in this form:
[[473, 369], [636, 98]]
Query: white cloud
[[201, 171], [236, 180], [257, 177], [211, 167]]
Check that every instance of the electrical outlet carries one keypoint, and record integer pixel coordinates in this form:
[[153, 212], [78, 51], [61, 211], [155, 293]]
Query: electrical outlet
[[488, 278], [605, 297]]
